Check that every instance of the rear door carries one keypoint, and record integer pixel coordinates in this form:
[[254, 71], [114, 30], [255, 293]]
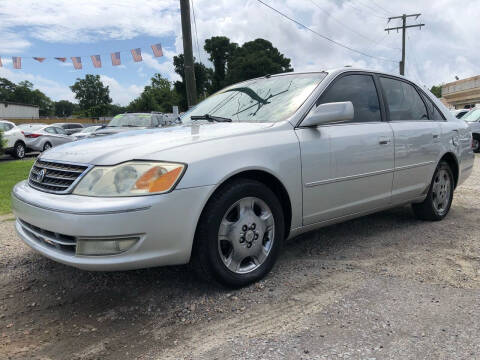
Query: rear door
[[62, 136], [347, 167], [417, 139]]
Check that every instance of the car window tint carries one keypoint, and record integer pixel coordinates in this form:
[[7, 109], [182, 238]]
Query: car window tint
[[434, 114], [403, 100], [50, 130], [60, 130], [361, 91]]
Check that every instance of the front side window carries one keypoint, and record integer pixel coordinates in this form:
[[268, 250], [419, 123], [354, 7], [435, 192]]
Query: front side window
[[267, 99], [361, 91], [404, 102]]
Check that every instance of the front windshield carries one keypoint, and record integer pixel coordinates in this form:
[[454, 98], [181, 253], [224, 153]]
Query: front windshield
[[142, 120], [269, 99], [472, 116], [89, 129]]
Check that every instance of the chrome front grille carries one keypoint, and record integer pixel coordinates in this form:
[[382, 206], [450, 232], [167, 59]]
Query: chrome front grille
[[58, 241], [55, 177]]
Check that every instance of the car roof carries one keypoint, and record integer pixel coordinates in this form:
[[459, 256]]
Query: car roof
[[7, 122]]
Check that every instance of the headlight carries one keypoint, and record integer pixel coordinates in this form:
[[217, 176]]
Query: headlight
[[130, 179]]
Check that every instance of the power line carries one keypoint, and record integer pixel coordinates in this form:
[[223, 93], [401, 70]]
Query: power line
[[349, 28], [362, 11], [370, 8], [323, 36], [381, 7], [196, 33]]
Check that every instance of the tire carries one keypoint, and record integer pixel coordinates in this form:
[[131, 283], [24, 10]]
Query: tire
[[476, 144], [19, 150], [249, 241], [47, 146], [437, 204]]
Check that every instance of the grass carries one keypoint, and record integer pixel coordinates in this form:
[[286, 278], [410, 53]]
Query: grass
[[11, 172]]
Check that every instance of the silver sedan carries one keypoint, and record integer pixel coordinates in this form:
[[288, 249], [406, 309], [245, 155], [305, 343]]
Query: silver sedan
[[249, 167], [44, 137]]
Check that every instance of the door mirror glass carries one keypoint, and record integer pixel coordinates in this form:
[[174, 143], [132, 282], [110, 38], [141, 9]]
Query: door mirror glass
[[330, 112]]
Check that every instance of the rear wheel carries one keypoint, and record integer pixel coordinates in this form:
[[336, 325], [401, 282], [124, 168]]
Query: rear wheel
[[47, 146], [19, 150], [476, 143], [239, 235], [440, 195]]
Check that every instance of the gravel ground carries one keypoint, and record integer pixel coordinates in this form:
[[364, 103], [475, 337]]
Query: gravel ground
[[382, 286]]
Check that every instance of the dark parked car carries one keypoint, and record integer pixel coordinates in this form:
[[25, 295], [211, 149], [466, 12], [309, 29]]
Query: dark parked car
[[70, 128]]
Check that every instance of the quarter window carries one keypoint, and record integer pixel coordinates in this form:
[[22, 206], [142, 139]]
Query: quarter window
[[432, 109], [361, 91], [404, 102]]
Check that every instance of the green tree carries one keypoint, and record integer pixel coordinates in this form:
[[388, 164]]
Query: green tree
[[64, 108], [221, 51], [7, 89], [158, 96], [91, 93], [256, 58], [437, 91], [203, 81]]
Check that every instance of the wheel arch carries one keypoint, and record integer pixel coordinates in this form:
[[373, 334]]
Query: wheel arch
[[20, 141], [269, 180], [452, 161]]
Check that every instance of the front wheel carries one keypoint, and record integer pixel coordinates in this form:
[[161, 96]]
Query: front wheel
[[440, 195], [239, 235]]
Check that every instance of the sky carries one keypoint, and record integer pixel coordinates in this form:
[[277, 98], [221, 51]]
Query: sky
[[444, 48]]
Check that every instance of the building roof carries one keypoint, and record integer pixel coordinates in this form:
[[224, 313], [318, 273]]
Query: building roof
[[461, 81], [16, 103]]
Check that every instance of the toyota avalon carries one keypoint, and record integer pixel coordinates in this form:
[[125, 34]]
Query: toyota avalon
[[254, 164]]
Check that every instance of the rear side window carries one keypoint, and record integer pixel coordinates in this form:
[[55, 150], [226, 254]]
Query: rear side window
[[50, 130], [361, 91], [6, 126], [434, 114], [404, 102]]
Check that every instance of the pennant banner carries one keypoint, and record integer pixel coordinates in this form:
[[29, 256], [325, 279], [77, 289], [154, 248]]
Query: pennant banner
[[77, 62], [137, 54], [157, 50], [96, 61], [115, 58], [17, 62]]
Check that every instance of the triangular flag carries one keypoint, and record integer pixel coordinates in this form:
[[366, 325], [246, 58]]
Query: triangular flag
[[62, 59], [39, 59]]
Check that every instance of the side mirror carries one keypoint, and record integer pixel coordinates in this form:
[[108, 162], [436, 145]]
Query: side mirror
[[330, 112]]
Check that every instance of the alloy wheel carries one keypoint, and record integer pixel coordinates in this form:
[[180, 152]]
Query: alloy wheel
[[441, 191], [246, 235]]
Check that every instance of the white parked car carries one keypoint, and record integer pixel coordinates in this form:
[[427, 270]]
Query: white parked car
[[44, 137], [251, 166], [14, 139]]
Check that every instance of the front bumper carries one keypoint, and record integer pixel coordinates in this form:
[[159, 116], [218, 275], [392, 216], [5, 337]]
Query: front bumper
[[164, 223]]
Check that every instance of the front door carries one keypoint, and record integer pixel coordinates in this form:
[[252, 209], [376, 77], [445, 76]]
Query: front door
[[347, 168]]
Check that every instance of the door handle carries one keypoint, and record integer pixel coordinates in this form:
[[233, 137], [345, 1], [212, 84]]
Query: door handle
[[383, 140]]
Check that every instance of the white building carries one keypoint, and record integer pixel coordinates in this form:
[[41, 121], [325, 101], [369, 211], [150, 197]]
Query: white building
[[11, 110]]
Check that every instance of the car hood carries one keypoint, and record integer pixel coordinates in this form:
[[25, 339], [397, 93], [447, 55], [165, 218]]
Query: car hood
[[140, 144]]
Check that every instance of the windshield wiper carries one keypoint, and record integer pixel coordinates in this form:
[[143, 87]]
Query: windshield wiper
[[210, 118]]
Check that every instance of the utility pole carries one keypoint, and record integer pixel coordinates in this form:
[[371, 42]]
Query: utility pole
[[188, 53], [403, 28]]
